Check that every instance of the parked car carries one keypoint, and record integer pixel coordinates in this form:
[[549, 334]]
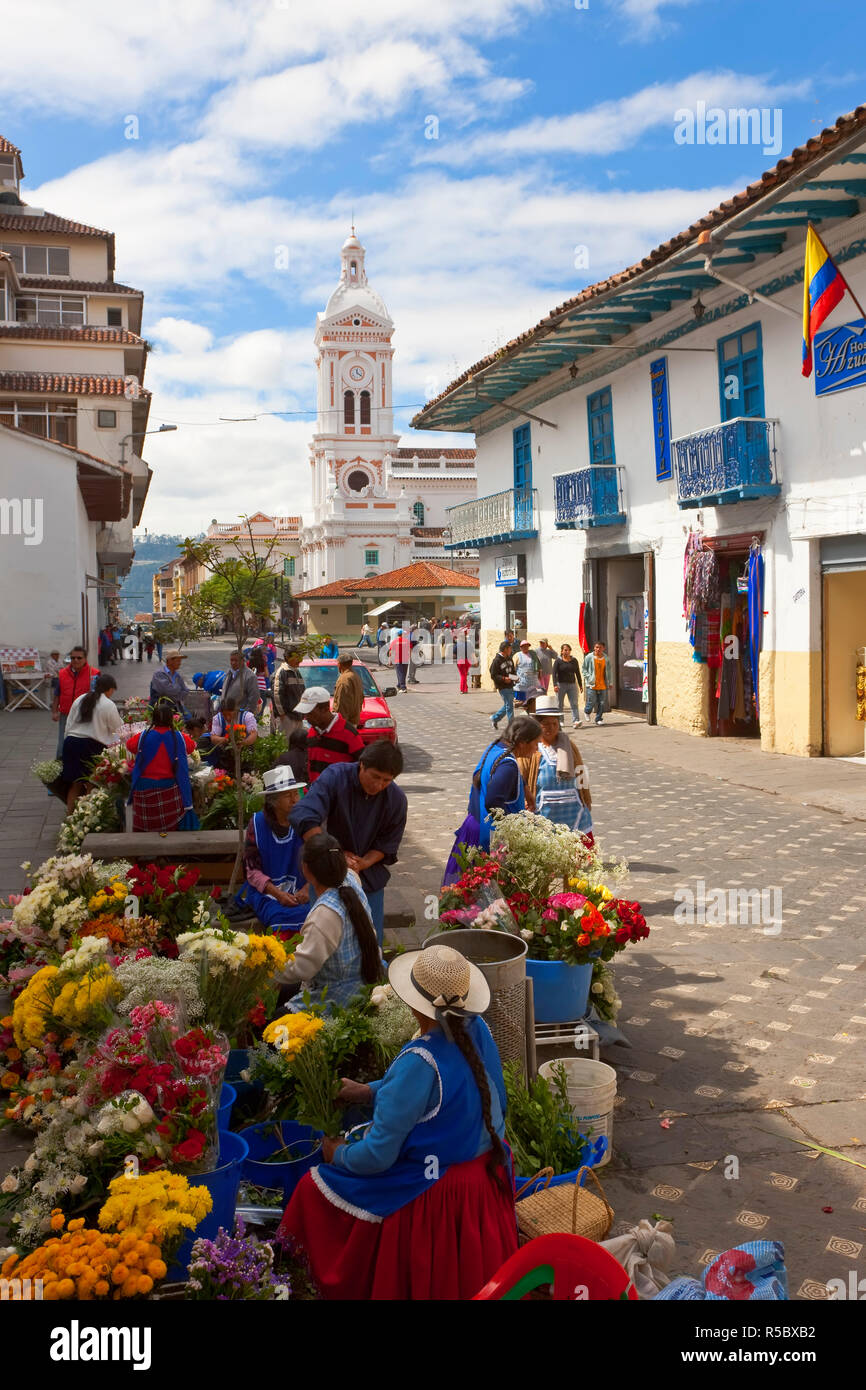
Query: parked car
[[376, 718]]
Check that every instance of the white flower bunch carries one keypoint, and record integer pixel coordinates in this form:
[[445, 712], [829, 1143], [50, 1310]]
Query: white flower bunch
[[124, 1114], [155, 977], [219, 953], [93, 951], [394, 1023], [380, 994], [68, 918], [72, 870], [95, 811]]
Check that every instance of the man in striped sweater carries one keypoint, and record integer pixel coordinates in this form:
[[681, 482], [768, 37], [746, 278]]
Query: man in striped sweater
[[331, 739]]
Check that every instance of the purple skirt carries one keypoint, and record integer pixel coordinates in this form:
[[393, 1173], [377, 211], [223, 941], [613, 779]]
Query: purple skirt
[[468, 836]]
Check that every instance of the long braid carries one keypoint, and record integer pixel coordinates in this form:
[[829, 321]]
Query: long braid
[[365, 934], [497, 1161]]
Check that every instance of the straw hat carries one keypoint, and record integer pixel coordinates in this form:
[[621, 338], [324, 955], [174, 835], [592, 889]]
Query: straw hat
[[439, 978], [547, 707]]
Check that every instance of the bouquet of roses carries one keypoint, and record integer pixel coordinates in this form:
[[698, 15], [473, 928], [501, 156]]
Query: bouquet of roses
[[168, 894], [581, 926]]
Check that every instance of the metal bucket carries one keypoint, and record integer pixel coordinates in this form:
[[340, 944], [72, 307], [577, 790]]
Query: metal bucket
[[501, 958]]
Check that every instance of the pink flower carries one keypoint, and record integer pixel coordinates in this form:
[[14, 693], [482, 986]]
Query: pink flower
[[570, 901]]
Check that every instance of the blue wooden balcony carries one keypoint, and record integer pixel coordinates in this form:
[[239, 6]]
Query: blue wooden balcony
[[503, 516], [727, 463], [589, 497]]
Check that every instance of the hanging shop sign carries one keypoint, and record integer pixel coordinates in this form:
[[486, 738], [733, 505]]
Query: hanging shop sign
[[840, 358], [508, 571], [661, 418]]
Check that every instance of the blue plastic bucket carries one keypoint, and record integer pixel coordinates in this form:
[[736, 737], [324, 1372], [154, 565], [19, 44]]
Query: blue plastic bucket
[[592, 1155], [239, 1059], [560, 991], [228, 1096], [262, 1141], [222, 1183]]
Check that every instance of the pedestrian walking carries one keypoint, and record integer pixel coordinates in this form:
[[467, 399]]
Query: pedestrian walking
[[496, 785], [526, 685], [365, 811], [503, 676], [400, 652], [149, 645], [382, 638], [161, 794], [595, 682], [139, 643], [93, 722], [366, 637], [288, 690], [464, 657], [567, 680], [545, 656], [73, 680], [331, 739], [348, 692], [158, 641]]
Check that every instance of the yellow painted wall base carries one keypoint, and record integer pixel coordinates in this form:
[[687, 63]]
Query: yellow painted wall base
[[789, 686], [682, 689]]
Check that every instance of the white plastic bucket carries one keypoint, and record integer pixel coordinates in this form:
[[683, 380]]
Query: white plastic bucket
[[591, 1092]]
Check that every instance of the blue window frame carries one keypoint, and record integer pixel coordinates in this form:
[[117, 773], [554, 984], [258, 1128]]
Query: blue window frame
[[599, 407], [741, 374], [522, 458]]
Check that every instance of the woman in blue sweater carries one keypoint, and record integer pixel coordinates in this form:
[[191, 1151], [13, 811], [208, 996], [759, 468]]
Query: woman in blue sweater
[[496, 785], [421, 1206]]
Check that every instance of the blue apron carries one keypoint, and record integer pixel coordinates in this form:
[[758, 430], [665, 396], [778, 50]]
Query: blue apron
[[281, 862], [558, 798], [340, 974], [485, 767], [448, 1133]]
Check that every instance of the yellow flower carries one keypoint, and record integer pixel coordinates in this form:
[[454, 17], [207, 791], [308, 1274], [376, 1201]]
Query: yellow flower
[[605, 894], [32, 1008], [291, 1032]]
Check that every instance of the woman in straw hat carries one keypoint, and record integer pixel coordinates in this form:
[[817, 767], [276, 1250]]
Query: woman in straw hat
[[554, 775], [275, 889], [421, 1206], [496, 785]]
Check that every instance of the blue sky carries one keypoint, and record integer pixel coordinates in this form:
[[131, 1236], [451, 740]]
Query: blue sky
[[261, 125]]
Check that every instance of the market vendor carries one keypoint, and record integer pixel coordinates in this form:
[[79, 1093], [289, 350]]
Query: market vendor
[[227, 717], [496, 785], [365, 811], [338, 950], [555, 777], [422, 1206], [275, 888], [161, 793]]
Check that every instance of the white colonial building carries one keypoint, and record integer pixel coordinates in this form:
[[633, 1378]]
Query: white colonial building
[[657, 425], [376, 506]]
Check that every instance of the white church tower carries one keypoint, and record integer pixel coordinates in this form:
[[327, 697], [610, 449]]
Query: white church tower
[[357, 528]]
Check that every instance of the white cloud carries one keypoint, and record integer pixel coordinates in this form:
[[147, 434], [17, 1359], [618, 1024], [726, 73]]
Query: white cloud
[[643, 19], [613, 125], [167, 53]]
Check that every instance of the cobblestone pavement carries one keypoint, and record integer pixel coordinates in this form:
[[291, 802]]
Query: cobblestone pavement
[[745, 1040]]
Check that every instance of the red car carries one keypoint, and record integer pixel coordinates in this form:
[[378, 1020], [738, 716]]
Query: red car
[[376, 719]]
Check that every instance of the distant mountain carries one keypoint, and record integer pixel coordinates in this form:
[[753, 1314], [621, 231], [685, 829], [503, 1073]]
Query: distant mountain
[[151, 552]]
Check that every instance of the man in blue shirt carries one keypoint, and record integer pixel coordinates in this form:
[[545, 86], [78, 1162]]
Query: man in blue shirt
[[365, 811], [168, 680]]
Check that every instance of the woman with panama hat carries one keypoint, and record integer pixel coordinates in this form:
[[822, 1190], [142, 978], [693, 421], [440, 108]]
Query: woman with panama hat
[[556, 780], [420, 1206]]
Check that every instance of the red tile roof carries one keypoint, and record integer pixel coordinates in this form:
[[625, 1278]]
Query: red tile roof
[[48, 222], [428, 532], [6, 147], [421, 574], [88, 333], [781, 173], [68, 384], [53, 282]]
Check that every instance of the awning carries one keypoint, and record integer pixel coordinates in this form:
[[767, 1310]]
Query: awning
[[383, 608], [473, 609]]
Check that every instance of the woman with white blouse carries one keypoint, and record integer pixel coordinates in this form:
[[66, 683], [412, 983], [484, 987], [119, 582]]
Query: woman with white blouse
[[94, 722]]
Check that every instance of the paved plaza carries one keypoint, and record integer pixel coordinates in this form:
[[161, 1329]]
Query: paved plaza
[[744, 1039]]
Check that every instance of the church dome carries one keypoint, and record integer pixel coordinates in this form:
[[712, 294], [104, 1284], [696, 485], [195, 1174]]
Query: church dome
[[354, 290]]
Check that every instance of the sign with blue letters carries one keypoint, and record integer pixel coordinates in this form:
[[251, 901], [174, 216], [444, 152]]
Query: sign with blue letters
[[661, 418], [840, 358]]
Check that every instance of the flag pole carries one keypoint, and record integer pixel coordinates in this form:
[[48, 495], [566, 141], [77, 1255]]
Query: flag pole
[[841, 276]]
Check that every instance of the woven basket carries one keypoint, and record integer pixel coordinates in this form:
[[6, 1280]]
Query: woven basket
[[567, 1209]]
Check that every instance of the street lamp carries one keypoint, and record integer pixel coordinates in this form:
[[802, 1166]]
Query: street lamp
[[139, 434]]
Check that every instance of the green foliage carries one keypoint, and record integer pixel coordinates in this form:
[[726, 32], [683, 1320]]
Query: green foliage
[[222, 813], [265, 751], [539, 1124], [238, 586]]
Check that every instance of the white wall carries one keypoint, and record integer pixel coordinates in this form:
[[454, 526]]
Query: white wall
[[42, 584]]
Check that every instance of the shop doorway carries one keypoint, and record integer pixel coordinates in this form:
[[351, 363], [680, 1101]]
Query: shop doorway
[[630, 639], [623, 587], [844, 647], [733, 682]]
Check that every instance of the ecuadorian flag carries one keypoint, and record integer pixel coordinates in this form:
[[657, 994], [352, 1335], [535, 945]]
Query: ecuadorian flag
[[823, 287]]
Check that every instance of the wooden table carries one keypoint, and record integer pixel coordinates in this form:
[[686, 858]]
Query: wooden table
[[212, 851]]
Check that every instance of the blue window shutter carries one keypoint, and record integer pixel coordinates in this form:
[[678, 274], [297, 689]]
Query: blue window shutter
[[599, 407], [741, 367], [522, 458]]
